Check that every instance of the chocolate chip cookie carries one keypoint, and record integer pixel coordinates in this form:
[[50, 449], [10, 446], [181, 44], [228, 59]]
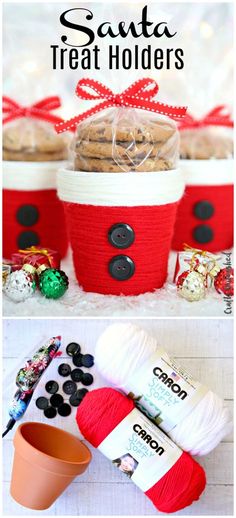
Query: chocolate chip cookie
[[110, 166], [204, 144], [106, 129], [125, 141], [33, 141], [124, 150]]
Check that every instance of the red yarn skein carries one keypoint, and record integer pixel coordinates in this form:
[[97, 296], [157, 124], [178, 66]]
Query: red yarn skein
[[101, 411]]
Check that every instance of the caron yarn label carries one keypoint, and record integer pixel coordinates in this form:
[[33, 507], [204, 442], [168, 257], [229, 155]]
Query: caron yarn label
[[140, 450], [164, 391]]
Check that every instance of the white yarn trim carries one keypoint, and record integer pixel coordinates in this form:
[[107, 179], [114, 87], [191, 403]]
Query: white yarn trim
[[30, 176], [208, 172], [120, 189]]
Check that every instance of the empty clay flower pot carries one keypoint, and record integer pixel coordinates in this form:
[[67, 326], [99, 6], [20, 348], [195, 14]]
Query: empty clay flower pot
[[46, 461]]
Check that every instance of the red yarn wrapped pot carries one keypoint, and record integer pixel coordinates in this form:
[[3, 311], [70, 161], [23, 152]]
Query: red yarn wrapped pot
[[95, 202], [206, 209], [101, 411], [32, 212]]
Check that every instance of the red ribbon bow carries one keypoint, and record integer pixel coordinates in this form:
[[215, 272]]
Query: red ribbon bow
[[40, 110], [219, 116], [138, 95]]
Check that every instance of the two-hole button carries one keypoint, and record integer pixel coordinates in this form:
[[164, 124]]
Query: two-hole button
[[203, 210], [121, 235], [121, 267]]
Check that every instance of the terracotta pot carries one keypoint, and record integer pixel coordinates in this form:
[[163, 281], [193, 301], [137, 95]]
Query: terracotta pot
[[46, 461]]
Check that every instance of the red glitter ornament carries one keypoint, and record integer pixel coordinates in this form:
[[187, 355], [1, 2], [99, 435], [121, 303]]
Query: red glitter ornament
[[224, 281], [181, 278]]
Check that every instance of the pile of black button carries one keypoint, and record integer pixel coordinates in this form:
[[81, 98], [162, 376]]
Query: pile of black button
[[55, 404]]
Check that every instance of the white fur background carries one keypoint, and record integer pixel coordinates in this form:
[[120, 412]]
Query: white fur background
[[76, 302]]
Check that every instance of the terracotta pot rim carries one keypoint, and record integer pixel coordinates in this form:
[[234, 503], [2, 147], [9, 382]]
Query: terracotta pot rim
[[19, 435]]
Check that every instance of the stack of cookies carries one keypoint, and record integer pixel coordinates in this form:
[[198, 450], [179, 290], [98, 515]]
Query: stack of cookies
[[33, 141], [205, 143], [115, 145]]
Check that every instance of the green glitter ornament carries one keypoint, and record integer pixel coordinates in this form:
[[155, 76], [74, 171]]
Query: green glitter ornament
[[53, 283]]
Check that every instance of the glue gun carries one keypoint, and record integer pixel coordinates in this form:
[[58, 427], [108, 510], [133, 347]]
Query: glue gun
[[28, 378]]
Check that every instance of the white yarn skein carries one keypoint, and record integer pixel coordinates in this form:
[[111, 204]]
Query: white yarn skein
[[121, 351]]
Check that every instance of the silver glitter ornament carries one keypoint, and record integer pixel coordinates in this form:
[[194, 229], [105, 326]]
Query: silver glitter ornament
[[19, 285], [192, 286]]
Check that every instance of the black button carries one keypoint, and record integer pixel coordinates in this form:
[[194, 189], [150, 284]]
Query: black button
[[87, 379], [203, 234], [87, 360], [52, 387], [64, 369], [27, 238], [50, 412], [121, 267], [73, 348], [64, 410], [77, 360], [203, 209], [76, 398], [76, 375], [27, 215], [121, 235], [69, 387], [41, 403], [82, 392], [56, 400]]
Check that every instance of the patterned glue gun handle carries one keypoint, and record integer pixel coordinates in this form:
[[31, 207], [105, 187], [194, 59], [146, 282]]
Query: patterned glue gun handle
[[29, 375], [19, 404]]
